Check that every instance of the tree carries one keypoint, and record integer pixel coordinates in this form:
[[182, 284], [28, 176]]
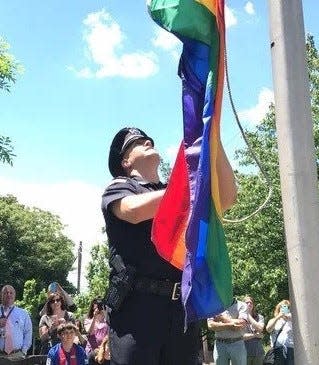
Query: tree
[[98, 271], [31, 301], [257, 246], [6, 150], [165, 170], [32, 246], [313, 72], [97, 277], [9, 69]]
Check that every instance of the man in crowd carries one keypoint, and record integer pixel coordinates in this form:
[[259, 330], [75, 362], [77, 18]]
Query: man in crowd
[[147, 317], [229, 329], [15, 327]]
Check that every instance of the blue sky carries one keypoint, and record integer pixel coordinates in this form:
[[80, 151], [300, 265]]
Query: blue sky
[[92, 67]]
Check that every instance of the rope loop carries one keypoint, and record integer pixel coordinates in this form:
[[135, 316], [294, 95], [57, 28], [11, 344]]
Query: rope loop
[[251, 151]]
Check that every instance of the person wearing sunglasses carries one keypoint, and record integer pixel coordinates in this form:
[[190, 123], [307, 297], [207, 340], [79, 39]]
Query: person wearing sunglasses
[[53, 288], [66, 352], [55, 315]]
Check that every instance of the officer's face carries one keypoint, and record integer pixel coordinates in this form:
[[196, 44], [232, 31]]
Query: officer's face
[[139, 151]]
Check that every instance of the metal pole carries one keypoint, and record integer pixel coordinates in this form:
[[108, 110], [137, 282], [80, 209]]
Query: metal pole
[[79, 266], [297, 172]]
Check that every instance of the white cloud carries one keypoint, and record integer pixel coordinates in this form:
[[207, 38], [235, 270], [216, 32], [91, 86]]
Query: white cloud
[[249, 8], [230, 18], [168, 42], [76, 203], [256, 113], [104, 41]]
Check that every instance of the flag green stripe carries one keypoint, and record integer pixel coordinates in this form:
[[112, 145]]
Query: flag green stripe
[[185, 17], [218, 260]]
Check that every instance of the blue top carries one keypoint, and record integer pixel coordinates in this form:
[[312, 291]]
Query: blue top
[[53, 355]]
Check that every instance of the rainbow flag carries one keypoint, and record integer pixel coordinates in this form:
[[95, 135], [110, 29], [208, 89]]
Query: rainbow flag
[[187, 230]]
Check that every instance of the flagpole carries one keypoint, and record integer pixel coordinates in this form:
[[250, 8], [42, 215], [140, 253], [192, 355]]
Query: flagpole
[[297, 172]]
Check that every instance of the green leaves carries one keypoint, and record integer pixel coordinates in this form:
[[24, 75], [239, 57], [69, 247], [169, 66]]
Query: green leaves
[[98, 271], [165, 170], [32, 246], [6, 150], [9, 67], [97, 277]]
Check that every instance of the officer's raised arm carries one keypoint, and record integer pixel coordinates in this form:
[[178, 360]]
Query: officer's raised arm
[[138, 208]]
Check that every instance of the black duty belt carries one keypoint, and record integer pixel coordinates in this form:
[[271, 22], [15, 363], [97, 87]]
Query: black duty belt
[[229, 340], [159, 287]]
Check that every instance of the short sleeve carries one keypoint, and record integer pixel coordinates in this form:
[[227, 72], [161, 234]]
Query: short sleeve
[[118, 189], [43, 321]]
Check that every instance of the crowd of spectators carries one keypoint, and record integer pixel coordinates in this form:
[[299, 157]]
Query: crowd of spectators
[[63, 338], [239, 331]]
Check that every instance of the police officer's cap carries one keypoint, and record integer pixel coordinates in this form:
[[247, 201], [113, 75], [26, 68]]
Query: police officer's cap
[[121, 142]]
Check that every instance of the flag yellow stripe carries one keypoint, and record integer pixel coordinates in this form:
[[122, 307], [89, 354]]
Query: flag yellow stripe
[[211, 5]]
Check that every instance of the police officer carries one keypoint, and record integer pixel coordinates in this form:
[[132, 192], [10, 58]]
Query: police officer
[[147, 317]]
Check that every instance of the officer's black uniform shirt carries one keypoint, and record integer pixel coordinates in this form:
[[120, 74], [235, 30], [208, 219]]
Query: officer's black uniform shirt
[[133, 241]]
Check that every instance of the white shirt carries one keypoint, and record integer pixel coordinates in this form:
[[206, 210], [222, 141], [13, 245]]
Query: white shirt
[[237, 310], [21, 328]]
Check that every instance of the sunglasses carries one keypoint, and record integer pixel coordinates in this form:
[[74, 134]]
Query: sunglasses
[[55, 300]]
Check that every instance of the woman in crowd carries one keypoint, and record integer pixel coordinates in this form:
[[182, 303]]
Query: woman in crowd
[[254, 334], [53, 288], [55, 315], [281, 335], [95, 325]]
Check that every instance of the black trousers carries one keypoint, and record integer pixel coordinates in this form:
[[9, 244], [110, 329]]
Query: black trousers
[[149, 330]]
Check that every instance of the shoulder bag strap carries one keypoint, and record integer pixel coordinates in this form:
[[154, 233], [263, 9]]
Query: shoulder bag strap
[[279, 332]]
